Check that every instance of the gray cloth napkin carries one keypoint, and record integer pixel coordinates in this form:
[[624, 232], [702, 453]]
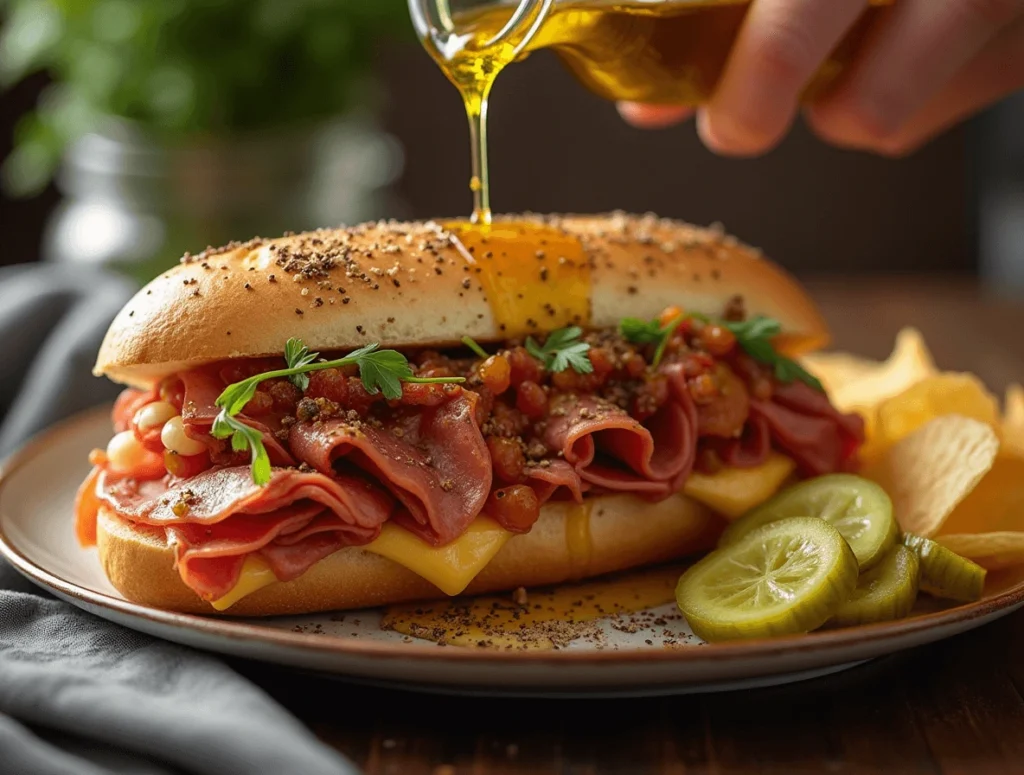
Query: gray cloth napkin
[[78, 694]]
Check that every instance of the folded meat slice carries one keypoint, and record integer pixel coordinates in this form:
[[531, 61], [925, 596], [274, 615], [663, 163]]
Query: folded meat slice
[[556, 478], [202, 387], [210, 557], [432, 459], [750, 449], [218, 517], [612, 451], [804, 424]]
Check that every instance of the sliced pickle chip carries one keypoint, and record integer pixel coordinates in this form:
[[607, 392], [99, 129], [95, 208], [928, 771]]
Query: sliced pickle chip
[[858, 508], [787, 577], [885, 592], [945, 573]]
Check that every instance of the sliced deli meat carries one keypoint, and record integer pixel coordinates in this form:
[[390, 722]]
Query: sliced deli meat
[[433, 459]]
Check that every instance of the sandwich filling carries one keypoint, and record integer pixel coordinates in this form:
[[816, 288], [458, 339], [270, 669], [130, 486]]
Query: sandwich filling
[[639, 409]]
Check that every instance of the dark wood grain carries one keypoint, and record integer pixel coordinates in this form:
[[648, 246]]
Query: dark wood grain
[[950, 708]]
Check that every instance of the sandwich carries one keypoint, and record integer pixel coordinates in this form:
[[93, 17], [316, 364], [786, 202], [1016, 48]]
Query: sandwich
[[362, 416]]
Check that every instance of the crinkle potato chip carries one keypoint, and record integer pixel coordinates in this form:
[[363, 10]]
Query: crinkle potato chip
[[855, 383], [950, 393], [996, 504], [993, 551], [933, 469]]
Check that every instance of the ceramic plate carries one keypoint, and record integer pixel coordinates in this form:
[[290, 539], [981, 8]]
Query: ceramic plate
[[660, 656]]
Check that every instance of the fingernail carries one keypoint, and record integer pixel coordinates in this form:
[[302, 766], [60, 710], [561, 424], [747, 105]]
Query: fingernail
[[653, 116]]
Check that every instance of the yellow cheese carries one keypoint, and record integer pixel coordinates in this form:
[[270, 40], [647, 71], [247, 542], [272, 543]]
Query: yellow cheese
[[256, 574], [734, 491], [451, 567]]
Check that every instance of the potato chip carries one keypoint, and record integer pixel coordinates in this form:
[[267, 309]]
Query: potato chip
[[996, 504], [1013, 421], [933, 469], [836, 369], [949, 393], [994, 551], [855, 384], [1013, 408]]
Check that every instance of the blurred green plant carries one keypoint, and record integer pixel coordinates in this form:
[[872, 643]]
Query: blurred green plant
[[185, 67]]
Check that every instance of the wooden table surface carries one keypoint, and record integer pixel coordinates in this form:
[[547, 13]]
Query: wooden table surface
[[952, 707]]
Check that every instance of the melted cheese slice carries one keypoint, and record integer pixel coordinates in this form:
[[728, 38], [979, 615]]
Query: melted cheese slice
[[734, 491], [451, 567], [256, 574]]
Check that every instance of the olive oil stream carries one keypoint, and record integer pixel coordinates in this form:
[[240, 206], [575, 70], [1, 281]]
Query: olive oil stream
[[669, 53]]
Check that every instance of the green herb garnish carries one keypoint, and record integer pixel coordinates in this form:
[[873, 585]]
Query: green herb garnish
[[244, 437], [754, 336], [472, 345], [650, 332], [297, 354], [382, 371], [562, 349]]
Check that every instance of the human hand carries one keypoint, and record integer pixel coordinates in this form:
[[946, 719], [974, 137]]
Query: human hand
[[926, 65]]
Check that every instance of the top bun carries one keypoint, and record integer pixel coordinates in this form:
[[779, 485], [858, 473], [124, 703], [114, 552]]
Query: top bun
[[404, 285]]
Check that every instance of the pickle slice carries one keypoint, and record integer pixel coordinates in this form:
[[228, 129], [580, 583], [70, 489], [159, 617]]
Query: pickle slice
[[885, 592], [945, 573], [787, 577], [858, 508]]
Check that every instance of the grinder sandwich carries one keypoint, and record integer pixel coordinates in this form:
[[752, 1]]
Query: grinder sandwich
[[397, 411]]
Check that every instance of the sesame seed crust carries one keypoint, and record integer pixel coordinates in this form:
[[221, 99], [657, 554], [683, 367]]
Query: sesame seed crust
[[404, 285]]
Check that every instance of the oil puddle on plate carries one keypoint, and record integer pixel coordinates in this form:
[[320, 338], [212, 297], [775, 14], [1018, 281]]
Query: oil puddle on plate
[[630, 610]]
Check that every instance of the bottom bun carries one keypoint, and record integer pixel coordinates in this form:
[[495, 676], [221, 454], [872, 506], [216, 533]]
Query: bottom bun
[[624, 532]]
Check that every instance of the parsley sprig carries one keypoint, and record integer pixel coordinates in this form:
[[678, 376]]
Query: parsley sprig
[[650, 332], [382, 371], [562, 350], [755, 336], [244, 437]]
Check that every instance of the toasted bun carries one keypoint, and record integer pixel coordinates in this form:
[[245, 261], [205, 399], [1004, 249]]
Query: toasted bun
[[625, 532], [247, 299]]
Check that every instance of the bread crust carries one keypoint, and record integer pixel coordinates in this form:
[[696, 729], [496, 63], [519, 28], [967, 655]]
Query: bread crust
[[246, 300], [625, 532]]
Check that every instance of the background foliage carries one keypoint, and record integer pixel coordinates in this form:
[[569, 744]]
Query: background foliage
[[186, 67]]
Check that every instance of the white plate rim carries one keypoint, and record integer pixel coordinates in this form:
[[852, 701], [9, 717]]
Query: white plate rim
[[820, 643]]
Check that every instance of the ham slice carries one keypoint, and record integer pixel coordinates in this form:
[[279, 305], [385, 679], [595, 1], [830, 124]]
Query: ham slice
[[293, 522], [750, 449], [612, 452], [805, 425], [432, 459], [556, 478]]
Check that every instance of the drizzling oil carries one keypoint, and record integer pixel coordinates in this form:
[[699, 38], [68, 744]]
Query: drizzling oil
[[671, 52]]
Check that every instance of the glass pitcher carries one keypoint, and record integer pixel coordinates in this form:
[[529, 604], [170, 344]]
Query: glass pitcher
[[653, 51]]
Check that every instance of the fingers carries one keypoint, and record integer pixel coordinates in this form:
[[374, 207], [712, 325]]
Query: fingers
[[917, 73], [780, 47], [993, 74], [653, 116]]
